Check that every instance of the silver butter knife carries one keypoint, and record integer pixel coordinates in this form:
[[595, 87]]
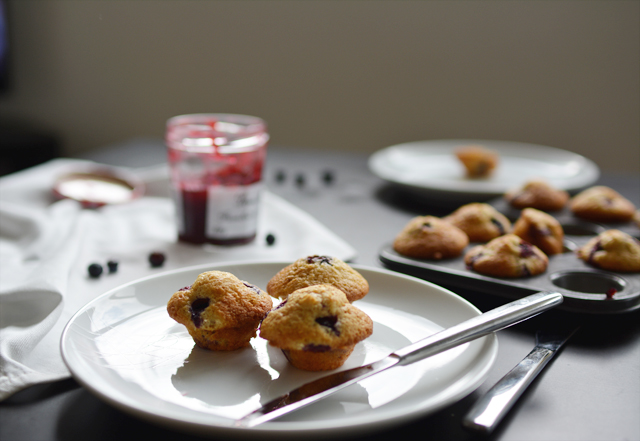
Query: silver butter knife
[[489, 410], [469, 330]]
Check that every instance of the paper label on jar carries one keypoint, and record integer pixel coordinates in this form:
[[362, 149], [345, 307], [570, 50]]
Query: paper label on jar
[[232, 212]]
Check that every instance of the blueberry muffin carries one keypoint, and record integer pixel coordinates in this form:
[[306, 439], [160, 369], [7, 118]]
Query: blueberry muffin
[[316, 328], [481, 222], [507, 256], [431, 238], [540, 229], [537, 194], [220, 311], [602, 204], [478, 161], [612, 250], [318, 270]]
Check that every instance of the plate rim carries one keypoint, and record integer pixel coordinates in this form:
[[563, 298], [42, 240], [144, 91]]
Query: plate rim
[[489, 352], [587, 177]]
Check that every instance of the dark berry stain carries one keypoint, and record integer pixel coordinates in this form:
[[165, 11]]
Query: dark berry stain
[[316, 348], [526, 250], [284, 302], [320, 260], [597, 247], [498, 225], [185, 288], [329, 322], [525, 271], [473, 261], [196, 309], [252, 287]]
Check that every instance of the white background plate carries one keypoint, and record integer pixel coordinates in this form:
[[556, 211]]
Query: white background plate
[[431, 168], [124, 348]]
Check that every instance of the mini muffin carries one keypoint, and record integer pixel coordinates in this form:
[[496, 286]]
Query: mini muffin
[[478, 161], [541, 229], [602, 204], [612, 250], [318, 270], [507, 256], [220, 311], [537, 194], [316, 327], [431, 238], [480, 221]]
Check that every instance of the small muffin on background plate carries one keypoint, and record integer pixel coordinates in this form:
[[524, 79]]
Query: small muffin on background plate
[[602, 204], [478, 161], [612, 250], [540, 229], [220, 311], [431, 238], [481, 222], [318, 270], [537, 194], [507, 256], [316, 328]]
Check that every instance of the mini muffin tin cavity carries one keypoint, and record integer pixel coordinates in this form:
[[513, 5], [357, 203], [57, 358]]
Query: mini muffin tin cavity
[[585, 288]]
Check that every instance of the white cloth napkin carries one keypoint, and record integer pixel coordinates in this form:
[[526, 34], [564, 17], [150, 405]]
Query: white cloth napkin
[[46, 248]]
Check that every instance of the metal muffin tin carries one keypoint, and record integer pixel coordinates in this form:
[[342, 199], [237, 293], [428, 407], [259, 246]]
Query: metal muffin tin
[[583, 286]]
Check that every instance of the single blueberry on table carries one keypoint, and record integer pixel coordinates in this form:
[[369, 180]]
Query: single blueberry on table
[[112, 265], [271, 239], [156, 259], [95, 270]]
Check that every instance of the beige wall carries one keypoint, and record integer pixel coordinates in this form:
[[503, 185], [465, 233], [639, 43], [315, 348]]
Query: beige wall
[[348, 75]]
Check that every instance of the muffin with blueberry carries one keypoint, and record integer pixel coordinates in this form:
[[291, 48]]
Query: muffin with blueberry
[[537, 194], [612, 250], [430, 238], [220, 311], [318, 270], [478, 161], [602, 204], [541, 229], [481, 222], [316, 327], [507, 256]]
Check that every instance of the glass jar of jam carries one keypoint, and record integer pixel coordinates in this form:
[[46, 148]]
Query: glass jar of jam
[[216, 163]]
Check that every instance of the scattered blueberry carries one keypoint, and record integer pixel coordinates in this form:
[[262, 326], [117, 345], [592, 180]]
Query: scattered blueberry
[[95, 269], [300, 180], [280, 176], [112, 265], [156, 259], [328, 177], [271, 239]]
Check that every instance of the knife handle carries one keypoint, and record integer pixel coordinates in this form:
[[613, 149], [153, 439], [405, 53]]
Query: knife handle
[[489, 410]]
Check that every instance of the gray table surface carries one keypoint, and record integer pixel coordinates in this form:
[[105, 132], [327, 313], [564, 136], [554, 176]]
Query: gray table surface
[[591, 391]]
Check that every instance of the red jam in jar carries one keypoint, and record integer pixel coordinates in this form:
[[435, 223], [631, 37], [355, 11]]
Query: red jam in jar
[[216, 163]]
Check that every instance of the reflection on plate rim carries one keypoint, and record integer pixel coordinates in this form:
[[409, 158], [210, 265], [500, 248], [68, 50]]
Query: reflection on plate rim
[[287, 428], [588, 176]]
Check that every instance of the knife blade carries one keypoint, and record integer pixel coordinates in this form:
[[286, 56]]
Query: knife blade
[[485, 415], [476, 327]]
